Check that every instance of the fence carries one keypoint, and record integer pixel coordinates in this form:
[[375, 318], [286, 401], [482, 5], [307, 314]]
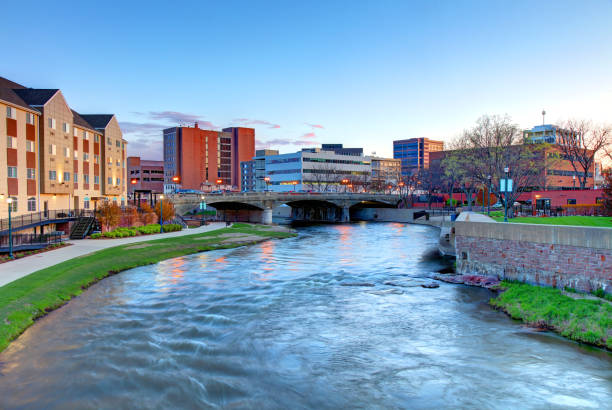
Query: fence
[[30, 240], [38, 218]]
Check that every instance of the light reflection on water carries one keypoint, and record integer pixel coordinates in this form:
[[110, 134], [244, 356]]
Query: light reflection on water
[[270, 326]]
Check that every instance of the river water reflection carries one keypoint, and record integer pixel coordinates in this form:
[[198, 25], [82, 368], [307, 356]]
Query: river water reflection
[[275, 326]]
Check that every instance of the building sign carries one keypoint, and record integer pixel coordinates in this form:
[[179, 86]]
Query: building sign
[[203, 206], [505, 185]]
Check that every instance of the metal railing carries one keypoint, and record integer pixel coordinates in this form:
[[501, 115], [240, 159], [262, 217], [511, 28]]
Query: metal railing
[[33, 240], [35, 218]]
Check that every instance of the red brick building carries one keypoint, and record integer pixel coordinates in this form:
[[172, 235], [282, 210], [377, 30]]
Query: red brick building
[[195, 158], [145, 175]]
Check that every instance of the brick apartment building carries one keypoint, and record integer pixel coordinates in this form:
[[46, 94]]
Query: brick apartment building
[[56, 158], [414, 153], [145, 176], [195, 158]]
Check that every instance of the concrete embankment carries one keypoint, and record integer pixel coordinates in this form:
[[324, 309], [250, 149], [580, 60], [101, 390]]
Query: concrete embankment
[[549, 255]]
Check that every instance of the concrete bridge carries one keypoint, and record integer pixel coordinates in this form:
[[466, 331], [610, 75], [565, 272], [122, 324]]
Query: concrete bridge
[[307, 206]]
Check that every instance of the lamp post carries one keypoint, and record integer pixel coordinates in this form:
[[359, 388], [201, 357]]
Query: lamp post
[[489, 197], [267, 180], [161, 214], [401, 185], [506, 171], [574, 181], [345, 183], [9, 200], [219, 182]]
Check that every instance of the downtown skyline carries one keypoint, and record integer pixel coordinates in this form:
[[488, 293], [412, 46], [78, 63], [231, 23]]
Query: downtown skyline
[[361, 74]]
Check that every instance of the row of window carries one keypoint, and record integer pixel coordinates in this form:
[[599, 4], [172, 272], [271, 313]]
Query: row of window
[[30, 173], [53, 177], [32, 204]]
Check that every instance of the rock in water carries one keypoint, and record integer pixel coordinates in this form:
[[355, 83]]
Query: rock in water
[[431, 285]]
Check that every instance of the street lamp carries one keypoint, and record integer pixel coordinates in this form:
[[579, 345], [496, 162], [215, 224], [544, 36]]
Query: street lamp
[[489, 196], [267, 181], [506, 171], [161, 214], [9, 201], [345, 183], [574, 181], [401, 185]]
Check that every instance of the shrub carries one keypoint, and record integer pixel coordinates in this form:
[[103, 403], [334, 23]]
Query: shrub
[[172, 227], [96, 236]]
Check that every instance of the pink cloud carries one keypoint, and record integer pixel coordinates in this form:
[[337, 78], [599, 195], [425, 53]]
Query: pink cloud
[[309, 135], [315, 126], [247, 121]]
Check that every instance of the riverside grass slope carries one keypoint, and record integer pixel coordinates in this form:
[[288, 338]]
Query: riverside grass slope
[[33, 296], [585, 320]]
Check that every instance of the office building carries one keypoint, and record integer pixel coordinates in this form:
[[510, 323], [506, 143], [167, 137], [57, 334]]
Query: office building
[[56, 156], [414, 153], [313, 169], [199, 159], [546, 133], [253, 172], [385, 171], [144, 176], [340, 150]]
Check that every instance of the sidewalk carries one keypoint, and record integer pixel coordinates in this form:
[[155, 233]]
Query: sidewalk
[[19, 268]]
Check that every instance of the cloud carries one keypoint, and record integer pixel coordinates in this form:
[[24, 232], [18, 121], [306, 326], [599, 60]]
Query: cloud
[[275, 142], [247, 121], [315, 126], [309, 135], [174, 116]]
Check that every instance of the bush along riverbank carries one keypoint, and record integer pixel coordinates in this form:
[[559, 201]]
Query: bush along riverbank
[[33, 296], [583, 319], [125, 232]]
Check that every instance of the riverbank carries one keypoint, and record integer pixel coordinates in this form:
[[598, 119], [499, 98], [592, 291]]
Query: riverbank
[[24, 300], [585, 320]]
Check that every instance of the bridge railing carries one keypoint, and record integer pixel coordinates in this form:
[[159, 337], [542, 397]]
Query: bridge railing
[[33, 218]]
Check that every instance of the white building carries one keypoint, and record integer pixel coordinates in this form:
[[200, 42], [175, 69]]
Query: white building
[[313, 169]]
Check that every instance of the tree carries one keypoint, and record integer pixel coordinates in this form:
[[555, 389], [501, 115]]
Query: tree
[[457, 167], [580, 142], [607, 204], [495, 145], [109, 214], [168, 209], [148, 214]]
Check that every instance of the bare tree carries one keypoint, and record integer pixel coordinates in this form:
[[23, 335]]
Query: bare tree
[[495, 145], [580, 142]]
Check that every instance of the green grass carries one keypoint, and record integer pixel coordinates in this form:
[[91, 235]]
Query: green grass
[[584, 320], [577, 220], [28, 298]]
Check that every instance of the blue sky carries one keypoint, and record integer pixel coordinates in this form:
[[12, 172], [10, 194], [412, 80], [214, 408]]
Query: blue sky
[[359, 73]]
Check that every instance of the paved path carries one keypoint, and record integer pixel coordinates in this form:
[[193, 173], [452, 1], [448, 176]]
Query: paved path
[[19, 268]]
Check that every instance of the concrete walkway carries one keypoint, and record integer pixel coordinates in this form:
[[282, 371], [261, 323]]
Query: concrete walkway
[[19, 268]]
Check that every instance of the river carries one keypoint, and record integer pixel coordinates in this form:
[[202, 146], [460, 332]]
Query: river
[[276, 326]]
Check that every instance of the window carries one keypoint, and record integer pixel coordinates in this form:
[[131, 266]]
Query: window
[[86, 178], [32, 204], [118, 144], [76, 154], [67, 152], [110, 161], [109, 142], [52, 149], [110, 181], [11, 142], [29, 118], [96, 159], [13, 204], [66, 127], [118, 181], [51, 123], [52, 175], [571, 202], [31, 173], [85, 156], [118, 163], [86, 203], [85, 135], [76, 177], [12, 172], [10, 112], [96, 179], [75, 132], [66, 176], [30, 146], [96, 138]]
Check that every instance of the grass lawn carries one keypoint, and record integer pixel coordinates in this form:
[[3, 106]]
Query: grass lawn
[[583, 320], [28, 298], [601, 221]]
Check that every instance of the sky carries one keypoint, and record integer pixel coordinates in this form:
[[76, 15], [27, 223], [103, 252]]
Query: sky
[[361, 73]]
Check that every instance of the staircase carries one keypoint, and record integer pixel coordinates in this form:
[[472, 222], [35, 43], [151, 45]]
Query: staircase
[[82, 227]]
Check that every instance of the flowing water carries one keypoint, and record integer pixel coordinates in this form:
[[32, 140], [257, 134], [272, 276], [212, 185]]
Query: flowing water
[[276, 326]]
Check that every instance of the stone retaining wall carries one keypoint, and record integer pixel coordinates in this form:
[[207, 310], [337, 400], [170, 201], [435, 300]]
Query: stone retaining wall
[[550, 255]]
